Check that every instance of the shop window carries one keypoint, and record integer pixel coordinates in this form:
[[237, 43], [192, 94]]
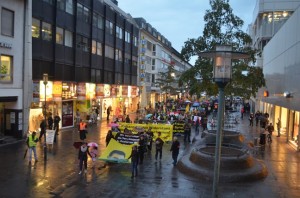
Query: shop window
[[7, 22], [6, 68]]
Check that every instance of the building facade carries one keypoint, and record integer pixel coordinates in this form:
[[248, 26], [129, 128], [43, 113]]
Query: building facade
[[15, 66], [281, 67], [156, 56], [89, 49]]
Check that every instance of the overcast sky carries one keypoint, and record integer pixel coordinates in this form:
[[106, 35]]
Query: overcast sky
[[179, 20]]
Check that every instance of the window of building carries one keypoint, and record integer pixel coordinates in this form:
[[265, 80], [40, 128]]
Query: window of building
[[83, 13], [149, 45], [118, 55], [46, 31], [135, 41], [119, 32], [69, 6], [153, 50], [99, 49], [134, 61], [127, 37], [6, 69], [68, 38], [59, 37], [94, 47], [153, 64], [49, 1], [86, 15], [82, 43], [61, 4], [35, 28], [127, 59], [153, 78], [148, 60], [109, 52], [109, 27], [79, 11], [97, 21], [7, 22]]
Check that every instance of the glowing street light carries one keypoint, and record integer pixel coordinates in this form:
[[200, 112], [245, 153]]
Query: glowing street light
[[222, 74]]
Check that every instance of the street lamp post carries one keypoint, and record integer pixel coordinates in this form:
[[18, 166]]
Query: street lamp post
[[222, 72], [45, 81]]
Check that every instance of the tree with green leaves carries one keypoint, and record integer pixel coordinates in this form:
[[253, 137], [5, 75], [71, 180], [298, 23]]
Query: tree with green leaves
[[222, 28], [167, 79]]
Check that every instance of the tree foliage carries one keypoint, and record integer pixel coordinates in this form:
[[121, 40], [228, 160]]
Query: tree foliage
[[222, 27], [166, 80]]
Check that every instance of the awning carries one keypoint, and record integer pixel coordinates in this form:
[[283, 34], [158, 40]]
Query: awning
[[9, 99]]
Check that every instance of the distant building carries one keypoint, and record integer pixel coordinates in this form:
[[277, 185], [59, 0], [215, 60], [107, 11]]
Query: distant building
[[156, 55]]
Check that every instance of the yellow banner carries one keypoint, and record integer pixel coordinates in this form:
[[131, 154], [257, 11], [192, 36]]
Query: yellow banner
[[116, 152], [165, 129]]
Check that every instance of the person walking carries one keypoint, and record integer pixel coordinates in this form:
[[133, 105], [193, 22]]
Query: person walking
[[141, 148], [134, 161], [56, 124], [50, 122], [278, 124], [83, 156], [187, 131], [43, 129], [175, 150], [158, 145], [108, 111], [150, 139], [31, 143], [82, 130], [251, 119]]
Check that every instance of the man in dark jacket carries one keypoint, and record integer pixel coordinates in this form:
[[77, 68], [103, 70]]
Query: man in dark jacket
[[56, 123], [43, 129], [159, 145], [175, 150]]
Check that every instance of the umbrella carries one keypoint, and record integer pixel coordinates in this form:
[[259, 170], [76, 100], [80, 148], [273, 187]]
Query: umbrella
[[196, 104], [93, 144], [77, 144], [113, 124], [149, 115]]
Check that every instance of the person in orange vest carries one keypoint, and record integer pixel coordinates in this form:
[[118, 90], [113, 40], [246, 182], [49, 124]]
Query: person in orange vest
[[82, 130]]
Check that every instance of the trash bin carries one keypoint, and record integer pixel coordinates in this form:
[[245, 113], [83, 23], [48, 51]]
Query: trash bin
[[262, 139]]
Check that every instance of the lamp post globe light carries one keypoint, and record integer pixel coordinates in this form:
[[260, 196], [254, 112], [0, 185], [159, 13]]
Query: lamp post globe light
[[222, 74], [45, 81]]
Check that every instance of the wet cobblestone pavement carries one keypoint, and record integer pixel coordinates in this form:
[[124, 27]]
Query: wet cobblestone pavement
[[59, 177]]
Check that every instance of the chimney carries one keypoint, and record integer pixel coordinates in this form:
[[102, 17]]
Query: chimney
[[115, 2]]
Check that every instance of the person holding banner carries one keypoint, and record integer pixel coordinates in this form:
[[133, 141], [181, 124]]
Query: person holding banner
[[141, 149], [158, 145]]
